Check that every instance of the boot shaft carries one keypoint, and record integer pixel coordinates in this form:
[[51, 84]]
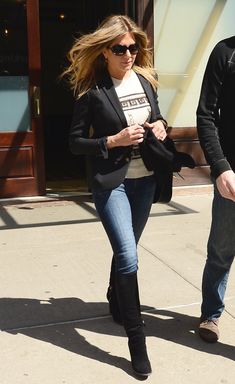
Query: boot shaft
[[128, 300]]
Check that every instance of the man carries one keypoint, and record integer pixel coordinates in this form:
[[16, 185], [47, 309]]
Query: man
[[216, 131]]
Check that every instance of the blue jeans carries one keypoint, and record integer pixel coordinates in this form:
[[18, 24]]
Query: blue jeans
[[220, 255], [124, 212]]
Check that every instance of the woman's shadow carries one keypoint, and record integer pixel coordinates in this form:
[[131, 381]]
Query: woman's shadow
[[57, 321]]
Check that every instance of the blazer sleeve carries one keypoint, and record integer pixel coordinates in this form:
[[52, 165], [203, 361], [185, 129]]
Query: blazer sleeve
[[79, 141]]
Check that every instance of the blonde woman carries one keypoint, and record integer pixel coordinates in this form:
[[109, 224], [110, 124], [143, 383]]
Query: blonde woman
[[115, 85]]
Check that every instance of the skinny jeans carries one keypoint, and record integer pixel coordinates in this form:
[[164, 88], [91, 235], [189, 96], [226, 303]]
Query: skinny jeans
[[124, 212]]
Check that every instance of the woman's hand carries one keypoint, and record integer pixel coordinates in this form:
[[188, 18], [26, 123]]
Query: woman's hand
[[158, 129], [128, 136], [226, 185]]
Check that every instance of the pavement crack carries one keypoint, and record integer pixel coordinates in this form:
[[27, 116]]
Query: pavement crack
[[169, 266]]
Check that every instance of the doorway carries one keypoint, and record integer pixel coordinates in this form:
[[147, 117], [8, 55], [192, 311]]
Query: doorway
[[21, 145], [61, 22]]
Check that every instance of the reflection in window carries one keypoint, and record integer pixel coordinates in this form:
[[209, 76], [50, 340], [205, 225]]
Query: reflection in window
[[13, 38]]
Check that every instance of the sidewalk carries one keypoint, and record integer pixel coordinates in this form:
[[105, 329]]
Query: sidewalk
[[54, 317]]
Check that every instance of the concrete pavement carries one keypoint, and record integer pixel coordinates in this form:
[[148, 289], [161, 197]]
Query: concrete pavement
[[54, 321]]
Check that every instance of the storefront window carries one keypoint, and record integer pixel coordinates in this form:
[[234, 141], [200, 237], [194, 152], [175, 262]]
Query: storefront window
[[184, 34], [14, 82]]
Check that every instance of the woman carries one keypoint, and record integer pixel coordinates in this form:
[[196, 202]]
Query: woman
[[115, 87]]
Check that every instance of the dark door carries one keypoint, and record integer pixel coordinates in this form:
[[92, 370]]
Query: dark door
[[21, 146], [60, 23]]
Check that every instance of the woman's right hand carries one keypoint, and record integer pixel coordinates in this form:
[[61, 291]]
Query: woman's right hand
[[128, 136]]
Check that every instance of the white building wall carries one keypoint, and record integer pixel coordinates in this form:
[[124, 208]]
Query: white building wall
[[185, 32]]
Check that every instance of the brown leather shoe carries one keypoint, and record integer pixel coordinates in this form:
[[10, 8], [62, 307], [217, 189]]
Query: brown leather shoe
[[209, 330]]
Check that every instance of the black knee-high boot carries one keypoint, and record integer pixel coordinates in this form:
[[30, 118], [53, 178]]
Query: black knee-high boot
[[127, 289], [112, 296]]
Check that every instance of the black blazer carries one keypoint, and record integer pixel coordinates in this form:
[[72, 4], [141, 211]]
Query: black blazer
[[99, 114]]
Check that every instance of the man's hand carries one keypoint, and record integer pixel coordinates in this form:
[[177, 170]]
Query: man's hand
[[226, 185]]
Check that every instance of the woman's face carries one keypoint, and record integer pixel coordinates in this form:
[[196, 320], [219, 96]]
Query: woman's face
[[120, 61]]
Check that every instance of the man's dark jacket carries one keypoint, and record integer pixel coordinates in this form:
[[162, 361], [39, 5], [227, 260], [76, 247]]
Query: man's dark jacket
[[216, 109]]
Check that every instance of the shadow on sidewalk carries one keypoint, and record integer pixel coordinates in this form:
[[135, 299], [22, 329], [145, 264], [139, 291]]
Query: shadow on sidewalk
[[183, 329], [57, 321], [9, 220]]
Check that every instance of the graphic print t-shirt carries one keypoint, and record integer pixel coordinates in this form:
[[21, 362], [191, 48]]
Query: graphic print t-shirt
[[137, 110]]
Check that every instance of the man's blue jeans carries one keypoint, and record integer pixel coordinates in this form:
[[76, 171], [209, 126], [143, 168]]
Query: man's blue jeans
[[220, 255], [124, 212]]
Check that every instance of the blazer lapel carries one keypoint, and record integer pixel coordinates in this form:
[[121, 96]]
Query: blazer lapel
[[111, 94]]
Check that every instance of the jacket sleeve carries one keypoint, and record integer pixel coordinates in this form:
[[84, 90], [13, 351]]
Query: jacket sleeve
[[208, 111], [79, 141]]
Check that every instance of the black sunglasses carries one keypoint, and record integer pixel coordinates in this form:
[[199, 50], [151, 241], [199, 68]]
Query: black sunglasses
[[120, 50]]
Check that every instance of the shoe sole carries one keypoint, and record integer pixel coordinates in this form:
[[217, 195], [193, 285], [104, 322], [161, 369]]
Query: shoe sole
[[142, 374]]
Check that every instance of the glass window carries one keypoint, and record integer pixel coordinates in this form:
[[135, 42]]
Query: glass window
[[185, 32], [14, 82], [14, 103]]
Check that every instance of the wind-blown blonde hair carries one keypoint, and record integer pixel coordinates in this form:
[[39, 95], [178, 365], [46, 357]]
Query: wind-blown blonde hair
[[87, 63]]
